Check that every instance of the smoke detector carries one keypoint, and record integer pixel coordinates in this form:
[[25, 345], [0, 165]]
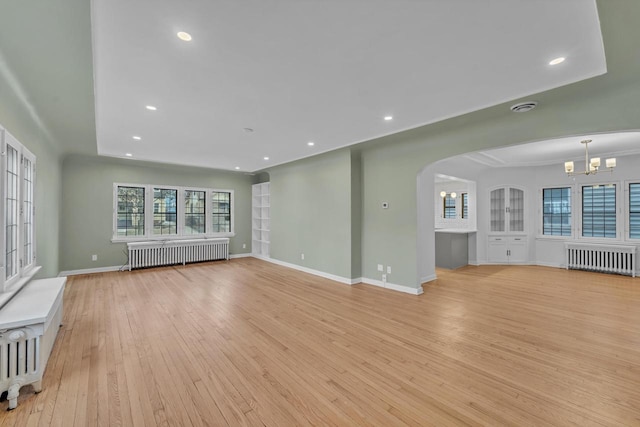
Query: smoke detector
[[523, 107]]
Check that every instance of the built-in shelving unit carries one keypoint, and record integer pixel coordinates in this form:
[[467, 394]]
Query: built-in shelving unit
[[260, 219]]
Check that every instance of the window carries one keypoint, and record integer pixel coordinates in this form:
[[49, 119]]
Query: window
[[165, 215], [449, 206], [11, 208], [634, 211], [148, 212], [130, 220], [194, 212], [599, 211], [221, 212], [18, 238], [465, 205], [556, 211]]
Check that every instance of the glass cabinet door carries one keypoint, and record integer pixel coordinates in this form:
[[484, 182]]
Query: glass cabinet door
[[516, 209], [497, 210]]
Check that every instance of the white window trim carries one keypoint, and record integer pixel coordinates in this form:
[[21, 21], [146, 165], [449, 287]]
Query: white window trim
[[148, 214], [26, 270], [540, 221]]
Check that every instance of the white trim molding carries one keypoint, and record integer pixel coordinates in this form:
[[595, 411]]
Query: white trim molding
[[309, 270], [245, 255], [429, 278], [92, 270], [551, 264], [346, 281], [393, 286]]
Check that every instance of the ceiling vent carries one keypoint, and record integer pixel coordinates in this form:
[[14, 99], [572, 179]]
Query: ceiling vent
[[523, 107]]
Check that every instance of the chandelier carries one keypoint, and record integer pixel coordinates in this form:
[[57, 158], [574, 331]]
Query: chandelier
[[591, 167]]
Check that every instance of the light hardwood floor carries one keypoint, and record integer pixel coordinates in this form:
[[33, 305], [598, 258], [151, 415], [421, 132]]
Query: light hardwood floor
[[246, 342]]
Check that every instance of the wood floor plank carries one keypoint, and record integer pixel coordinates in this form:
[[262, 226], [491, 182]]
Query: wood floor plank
[[249, 343]]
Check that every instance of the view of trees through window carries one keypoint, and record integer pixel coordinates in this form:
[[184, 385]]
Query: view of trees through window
[[221, 212], [147, 210], [165, 215], [130, 221]]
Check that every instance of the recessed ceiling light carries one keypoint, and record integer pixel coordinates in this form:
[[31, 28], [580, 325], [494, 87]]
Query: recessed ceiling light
[[151, 107], [387, 118], [557, 61], [266, 158], [137, 138], [311, 144], [184, 36], [129, 155], [237, 168]]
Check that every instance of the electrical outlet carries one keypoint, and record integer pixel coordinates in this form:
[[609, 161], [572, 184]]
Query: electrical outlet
[[388, 269], [94, 257], [244, 246], [301, 256], [384, 278], [380, 268]]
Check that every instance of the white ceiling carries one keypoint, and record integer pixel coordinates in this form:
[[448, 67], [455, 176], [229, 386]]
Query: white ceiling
[[321, 71]]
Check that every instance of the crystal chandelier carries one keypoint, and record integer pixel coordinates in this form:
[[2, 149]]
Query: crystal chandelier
[[591, 167]]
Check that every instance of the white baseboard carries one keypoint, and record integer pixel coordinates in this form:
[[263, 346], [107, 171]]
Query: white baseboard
[[91, 270], [234, 256], [329, 276], [550, 264], [428, 278], [393, 286]]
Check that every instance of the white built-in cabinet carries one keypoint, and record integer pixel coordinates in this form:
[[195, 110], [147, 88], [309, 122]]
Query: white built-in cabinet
[[260, 219], [507, 240]]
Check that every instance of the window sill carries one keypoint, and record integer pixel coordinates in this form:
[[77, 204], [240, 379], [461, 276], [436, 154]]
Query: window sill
[[17, 285], [120, 239], [550, 237]]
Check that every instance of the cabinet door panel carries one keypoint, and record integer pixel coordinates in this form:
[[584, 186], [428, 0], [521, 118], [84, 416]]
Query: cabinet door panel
[[497, 210], [517, 249], [497, 250], [516, 210]]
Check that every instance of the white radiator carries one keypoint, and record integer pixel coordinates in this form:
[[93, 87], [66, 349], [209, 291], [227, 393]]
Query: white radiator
[[19, 360], [615, 259], [152, 254]]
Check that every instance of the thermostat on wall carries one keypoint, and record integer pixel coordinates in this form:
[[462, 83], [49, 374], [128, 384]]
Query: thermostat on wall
[[385, 205]]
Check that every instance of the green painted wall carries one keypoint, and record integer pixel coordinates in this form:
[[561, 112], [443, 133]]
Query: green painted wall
[[311, 213], [21, 122], [87, 213]]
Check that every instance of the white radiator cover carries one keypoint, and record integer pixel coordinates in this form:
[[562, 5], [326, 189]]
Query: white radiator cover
[[616, 259], [169, 252]]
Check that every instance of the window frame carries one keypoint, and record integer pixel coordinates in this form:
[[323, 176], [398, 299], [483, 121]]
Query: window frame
[[627, 211], [180, 226], [446, 208], [464, 205], [24, 269], [572, 215], [207, 208], [115, 202], [210, 210], [579, 219]]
